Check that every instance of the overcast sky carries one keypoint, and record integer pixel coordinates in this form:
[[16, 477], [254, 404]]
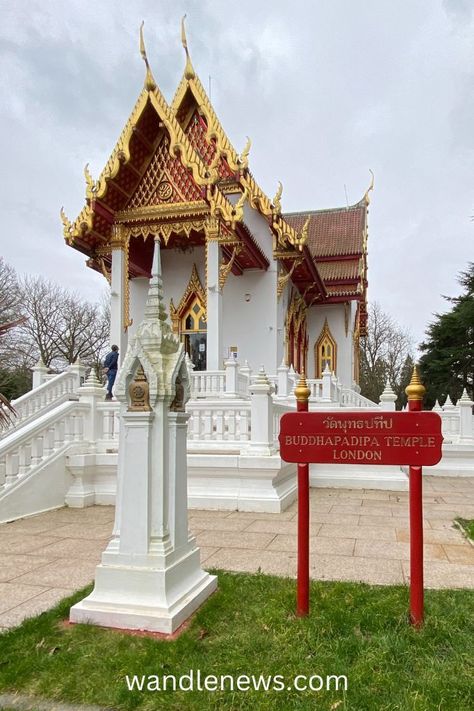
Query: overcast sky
[[326, 90]]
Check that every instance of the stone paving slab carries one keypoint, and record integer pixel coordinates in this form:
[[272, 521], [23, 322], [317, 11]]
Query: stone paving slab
[[355, 535]]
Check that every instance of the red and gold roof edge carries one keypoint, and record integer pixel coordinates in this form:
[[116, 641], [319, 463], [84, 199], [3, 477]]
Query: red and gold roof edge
[[92, 231]]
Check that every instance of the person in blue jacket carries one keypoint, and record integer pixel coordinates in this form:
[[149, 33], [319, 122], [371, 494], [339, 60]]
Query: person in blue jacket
[[110, 369]]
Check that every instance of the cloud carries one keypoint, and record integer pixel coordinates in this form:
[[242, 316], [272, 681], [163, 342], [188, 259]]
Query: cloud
[[325, 90]]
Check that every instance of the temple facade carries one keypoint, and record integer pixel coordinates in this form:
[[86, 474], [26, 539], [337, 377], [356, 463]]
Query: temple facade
[[242, 278]]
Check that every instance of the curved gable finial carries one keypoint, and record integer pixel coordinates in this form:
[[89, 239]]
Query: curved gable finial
[[189, 72], [370, 188], [150, 83]]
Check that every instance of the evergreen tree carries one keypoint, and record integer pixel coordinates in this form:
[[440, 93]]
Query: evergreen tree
[[447, 364]]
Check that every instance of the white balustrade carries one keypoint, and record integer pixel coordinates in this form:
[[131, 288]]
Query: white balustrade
[[217, 425], [53, 391], [279, 409], [351, 398], [316, 388], [33, 445], [207, 383]]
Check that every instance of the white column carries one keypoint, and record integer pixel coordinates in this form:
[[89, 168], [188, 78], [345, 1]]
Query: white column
[[39, 371], [231, 368], [91, 393], [327, 379], [283, 383], [178, 493], [135, 512], [78, 370], [465, 418], [261, 426], [118, 335], [214, 307]]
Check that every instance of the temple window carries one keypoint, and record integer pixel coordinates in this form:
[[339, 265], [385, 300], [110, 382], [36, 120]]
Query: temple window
[[325, 352], [189, 321]]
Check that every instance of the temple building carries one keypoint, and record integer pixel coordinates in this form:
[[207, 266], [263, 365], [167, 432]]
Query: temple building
[[242, 278]]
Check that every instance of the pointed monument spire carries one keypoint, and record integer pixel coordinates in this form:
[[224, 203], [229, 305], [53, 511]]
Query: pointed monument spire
[[189, 72], [154, 307]]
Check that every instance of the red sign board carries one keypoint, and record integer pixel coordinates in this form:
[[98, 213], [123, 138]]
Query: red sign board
[[361, 438]]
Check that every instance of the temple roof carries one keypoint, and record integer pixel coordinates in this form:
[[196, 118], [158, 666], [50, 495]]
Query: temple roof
[[337, 240], [174, 166], [335, 232]]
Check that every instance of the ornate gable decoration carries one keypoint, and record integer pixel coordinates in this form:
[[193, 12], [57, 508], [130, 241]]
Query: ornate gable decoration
[[166, 180]]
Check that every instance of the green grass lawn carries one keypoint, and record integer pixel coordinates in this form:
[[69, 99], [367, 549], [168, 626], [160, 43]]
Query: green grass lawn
[[249, 627], [467, 526]]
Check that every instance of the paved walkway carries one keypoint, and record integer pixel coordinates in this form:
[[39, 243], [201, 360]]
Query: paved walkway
[[355, 535]]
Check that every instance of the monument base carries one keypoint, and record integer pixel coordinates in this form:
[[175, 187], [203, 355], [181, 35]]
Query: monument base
[[139, 598]]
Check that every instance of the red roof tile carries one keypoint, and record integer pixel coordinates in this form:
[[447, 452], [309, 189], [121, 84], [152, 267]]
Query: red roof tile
[[344, 290], [332, 232], [335, 270]]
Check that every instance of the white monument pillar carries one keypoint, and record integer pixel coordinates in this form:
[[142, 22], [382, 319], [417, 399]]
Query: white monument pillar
[[466, 433], [214, 306], [150, 576], [388, 398]]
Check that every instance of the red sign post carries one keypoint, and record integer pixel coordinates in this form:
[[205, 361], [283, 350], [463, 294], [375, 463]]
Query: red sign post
[[371, 437]]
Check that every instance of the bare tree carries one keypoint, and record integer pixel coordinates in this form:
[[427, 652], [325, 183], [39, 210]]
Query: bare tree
[[10, 299], [82, 332], [43, 304], [10, 316], [384, 354], [61, 326]]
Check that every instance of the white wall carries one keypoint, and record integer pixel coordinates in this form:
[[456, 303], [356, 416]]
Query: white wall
[[335, 316], [253, 325], [138, 294], [176, 268]]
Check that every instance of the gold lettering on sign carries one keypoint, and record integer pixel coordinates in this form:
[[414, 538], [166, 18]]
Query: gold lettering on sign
[[409, 441], [356, 455], [379, 423]]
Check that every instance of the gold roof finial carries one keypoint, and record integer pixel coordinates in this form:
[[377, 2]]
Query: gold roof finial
[[302, 391], [67, 226], [277, 198], [302, 236], [371, 187], [91, 185], [238, 211], [189, 72], [244, 156], [415, 390], [150, 83]]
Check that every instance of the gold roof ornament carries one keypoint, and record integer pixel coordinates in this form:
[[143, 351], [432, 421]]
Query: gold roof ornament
[[415, 390], [90, 182], [150, 83], [189, 72], [369, 189], [277, 198], [302, 391], [67, 226], [302, 236], [244, 156]]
